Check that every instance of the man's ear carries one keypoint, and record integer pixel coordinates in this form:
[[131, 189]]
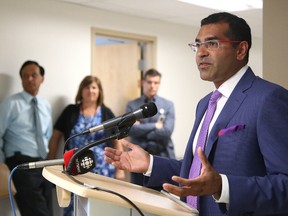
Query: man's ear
[[242, 50], [42, 79]]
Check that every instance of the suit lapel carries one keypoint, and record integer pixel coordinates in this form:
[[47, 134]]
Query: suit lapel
[[232, 105]]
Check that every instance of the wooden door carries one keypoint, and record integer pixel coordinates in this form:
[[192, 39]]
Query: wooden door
[[116, 65]]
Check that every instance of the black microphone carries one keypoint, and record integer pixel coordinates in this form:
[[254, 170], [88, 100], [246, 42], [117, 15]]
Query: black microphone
[[145, 111], [83, 162]]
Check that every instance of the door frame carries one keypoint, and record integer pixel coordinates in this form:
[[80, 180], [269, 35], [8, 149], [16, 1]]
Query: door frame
[[151, 40]]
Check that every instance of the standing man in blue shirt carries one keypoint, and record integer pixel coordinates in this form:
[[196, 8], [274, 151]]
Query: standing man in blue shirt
[[153, 134], [18, 141]]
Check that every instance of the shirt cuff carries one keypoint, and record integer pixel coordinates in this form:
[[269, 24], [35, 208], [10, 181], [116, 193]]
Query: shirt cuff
[[149, 171], [224, 198]]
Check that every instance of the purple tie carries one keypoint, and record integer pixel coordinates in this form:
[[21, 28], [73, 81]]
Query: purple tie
[[196, 164]]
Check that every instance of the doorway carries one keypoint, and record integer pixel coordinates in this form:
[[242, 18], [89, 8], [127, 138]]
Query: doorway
[[119, 60]]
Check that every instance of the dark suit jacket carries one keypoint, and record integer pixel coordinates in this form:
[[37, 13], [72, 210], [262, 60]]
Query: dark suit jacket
[[249, 144], [142, 134]]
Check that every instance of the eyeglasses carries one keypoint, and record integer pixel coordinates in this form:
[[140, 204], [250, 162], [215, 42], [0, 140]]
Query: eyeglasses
[[210, 44]]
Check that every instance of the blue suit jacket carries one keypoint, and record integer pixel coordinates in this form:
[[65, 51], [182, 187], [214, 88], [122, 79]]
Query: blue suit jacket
[[249, 144], [141, 134]]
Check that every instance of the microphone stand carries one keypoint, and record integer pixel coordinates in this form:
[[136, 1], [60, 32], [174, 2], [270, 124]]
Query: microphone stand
[[122, 130]]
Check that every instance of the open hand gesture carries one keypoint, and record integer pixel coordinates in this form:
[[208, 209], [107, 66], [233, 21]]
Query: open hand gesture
[[135, 159], [209, 182]]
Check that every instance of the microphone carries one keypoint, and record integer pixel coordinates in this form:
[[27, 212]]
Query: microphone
[[128, 119], [83, 163]]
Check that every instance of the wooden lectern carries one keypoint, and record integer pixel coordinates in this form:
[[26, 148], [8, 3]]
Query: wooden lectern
[[95, 202]]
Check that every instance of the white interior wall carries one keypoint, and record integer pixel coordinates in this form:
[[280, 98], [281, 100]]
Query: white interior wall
[[57, 35], [274, 41]]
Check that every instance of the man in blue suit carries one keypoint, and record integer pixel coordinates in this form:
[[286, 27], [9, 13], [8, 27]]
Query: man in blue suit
[[153, 134], [244, 161]]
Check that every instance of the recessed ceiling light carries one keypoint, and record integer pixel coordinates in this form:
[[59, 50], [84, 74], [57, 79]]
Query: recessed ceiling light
[[227, 5]]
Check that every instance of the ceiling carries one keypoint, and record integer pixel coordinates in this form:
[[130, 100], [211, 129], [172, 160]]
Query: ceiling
[[169, 11]]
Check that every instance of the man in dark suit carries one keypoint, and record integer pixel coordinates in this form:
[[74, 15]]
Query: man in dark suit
[[244, 160], [153, 134]]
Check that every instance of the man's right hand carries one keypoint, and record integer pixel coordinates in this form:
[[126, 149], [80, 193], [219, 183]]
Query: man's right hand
[[159, 124], [135, 159]]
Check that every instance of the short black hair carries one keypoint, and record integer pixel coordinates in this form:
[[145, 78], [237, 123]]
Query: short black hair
[[29, 62], [238, 27]]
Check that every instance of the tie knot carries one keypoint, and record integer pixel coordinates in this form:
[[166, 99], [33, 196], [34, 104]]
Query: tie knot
[[34, 100], [215, 96]]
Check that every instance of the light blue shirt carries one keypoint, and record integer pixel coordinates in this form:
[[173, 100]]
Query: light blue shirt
[[17, 127]]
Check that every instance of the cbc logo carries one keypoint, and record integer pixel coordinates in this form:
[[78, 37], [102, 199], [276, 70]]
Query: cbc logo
[[86, 162]]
